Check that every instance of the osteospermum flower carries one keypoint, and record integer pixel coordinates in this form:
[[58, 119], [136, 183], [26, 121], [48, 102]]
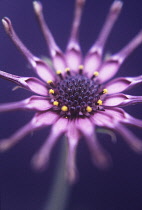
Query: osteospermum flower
[[75, 96]]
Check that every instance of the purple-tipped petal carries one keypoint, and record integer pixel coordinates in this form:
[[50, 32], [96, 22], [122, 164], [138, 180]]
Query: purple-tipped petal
[[40, 67], [41, 158], [99, 156], [133, 141], [110, 67], [121, 100], [123, 83], [30, 83], [73, 52], [73, 139], [37, 103], [55, 52], [94, 56]]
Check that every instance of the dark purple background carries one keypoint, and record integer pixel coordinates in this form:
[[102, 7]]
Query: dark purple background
[[120, 188]]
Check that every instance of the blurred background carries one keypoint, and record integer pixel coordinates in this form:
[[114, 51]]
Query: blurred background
[[120, 187]]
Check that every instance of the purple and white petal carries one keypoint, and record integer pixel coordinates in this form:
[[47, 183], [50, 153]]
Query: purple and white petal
[[30, 83], [73, 140], [110, 67], [122, 83], [94, 56], [37, 103], [55, 52], [41, 158], [121, 100], [99, 156], [39, 66], [73, 52]]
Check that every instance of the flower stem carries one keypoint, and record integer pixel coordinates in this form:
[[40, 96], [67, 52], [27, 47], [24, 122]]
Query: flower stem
[[60, 190]]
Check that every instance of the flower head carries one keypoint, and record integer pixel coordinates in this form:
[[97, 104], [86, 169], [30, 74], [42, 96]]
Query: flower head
[[76, 95]]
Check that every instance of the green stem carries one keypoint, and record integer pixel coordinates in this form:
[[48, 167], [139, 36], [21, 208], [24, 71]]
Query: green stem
[[60, 189]]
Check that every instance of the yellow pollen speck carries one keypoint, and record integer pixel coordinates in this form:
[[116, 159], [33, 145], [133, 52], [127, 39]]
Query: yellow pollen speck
[[81, 67], [49, 81], [58, 72], [105, 91], [51, 91], [96, 73], [67, 69], [88, 109], [55, 103], [99, 102], [64, 108]]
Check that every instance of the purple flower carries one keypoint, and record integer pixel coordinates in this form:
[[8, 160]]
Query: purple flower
[[75, 96]]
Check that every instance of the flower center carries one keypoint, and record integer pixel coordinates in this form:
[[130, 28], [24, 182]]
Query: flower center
[[76, 95]]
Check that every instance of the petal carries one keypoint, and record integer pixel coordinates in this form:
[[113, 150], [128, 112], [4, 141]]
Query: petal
[[73, 52], [115, 114], [114, 121], [123, 83], [55, 52], [133, 141], [119, 115], [5, 144], [46, 118], [36, 86], [110, 67], [37, 103], [120, 100], [101, 119], [33, 125], [42, 69], [30, 83], [99, 156], [94, 56], [122, 116], [41, 158], [73, 57], [73, 139], [130, 120], [39, 66]]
